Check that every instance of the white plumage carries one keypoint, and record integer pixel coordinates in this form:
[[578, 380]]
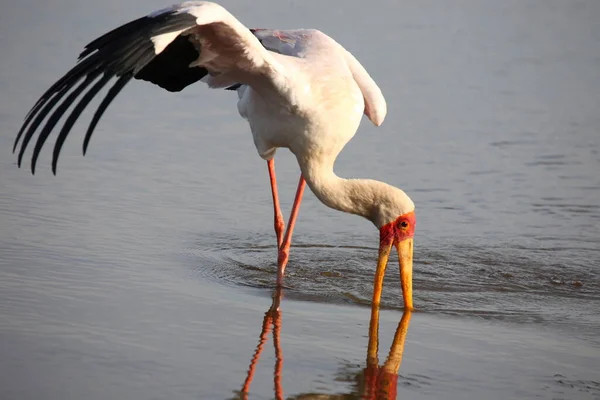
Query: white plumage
[[298, 89]]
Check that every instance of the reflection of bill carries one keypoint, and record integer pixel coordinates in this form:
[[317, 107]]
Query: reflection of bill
[[374, 383], [380, 382]]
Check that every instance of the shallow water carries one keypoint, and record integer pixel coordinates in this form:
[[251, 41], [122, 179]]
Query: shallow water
[[145, 269]]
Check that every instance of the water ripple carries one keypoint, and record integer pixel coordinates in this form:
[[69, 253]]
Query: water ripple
[[506, 282]]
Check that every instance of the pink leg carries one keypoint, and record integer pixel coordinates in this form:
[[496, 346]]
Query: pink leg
[[284, 249], [279, 224]]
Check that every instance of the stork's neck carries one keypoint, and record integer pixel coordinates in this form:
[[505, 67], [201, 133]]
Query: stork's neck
[[377, 201]]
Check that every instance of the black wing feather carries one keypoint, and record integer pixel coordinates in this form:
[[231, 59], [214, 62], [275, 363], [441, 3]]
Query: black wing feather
[[121, 53], [112, 93], [38, 120], [170, 69], [60, 139], [124, 53], [58, 112]]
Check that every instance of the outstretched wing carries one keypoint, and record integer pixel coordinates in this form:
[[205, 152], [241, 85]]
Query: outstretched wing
[[171, 48]]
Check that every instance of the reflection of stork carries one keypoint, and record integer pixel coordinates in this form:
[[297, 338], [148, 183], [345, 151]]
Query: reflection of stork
[[375, 382], [272, 316], [298, 89]]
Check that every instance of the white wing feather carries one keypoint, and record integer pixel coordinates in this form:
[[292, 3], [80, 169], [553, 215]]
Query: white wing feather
[[375, 105], [228, 50], [306, 43]]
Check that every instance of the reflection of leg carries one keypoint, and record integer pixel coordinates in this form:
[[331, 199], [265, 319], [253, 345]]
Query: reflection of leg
[[279, 223], [277, 295], [278, 354], [284, 249], [266, 326], [272, 316]]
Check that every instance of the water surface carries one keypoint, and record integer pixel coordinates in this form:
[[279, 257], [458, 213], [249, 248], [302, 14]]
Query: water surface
[[144, 269]]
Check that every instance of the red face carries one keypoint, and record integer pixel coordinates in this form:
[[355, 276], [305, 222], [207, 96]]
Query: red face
[[397, 231]]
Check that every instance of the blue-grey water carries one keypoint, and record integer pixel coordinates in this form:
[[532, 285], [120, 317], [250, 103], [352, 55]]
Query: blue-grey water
[[143, 271]]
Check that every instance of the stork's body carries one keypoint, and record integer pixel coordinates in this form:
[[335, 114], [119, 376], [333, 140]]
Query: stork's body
[[297, 89]]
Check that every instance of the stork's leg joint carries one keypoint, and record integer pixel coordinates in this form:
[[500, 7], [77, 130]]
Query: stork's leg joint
[[279, 226], [283, 258]]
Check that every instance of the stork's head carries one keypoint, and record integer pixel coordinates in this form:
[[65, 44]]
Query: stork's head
[[395, 218]]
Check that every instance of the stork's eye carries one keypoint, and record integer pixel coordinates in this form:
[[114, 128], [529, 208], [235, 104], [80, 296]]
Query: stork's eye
[[404, 224]]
